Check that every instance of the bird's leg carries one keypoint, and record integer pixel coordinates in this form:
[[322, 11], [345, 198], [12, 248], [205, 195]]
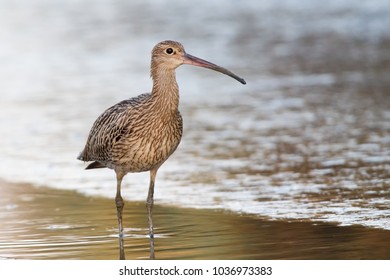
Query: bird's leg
[[149, 207], [119, 210]]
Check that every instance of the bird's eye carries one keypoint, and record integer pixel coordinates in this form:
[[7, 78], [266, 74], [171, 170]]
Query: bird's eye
[[169, 51]]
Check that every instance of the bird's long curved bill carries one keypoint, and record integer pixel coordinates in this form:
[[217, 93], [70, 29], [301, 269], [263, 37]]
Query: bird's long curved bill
[[196, 61]]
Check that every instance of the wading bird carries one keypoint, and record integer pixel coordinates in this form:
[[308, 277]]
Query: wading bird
[[139, 134]]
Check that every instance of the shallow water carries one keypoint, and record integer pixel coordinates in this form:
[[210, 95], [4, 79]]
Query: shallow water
[[307, 139], [40, 223]]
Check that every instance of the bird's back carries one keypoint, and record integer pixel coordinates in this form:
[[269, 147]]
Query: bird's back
[[133, 136]]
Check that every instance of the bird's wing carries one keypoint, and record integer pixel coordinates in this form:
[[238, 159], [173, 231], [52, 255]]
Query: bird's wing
[[108, 129]]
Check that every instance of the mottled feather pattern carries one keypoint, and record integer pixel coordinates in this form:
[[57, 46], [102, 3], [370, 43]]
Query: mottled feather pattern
[[135, 135]]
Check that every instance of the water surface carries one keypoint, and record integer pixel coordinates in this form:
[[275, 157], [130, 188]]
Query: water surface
[[41, 223], [306, 140]]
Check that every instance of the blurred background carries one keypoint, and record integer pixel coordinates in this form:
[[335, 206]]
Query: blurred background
[[306, 141]]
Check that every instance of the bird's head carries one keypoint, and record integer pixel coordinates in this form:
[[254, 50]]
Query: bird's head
[[168, 55]]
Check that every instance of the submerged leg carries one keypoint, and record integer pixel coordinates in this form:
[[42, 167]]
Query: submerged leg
[[149, 207], [119, 211]]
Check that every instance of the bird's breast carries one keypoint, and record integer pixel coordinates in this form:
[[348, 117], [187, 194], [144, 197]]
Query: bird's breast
[[149, 146]]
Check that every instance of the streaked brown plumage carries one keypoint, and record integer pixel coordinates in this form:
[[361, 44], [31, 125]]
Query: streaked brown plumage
[[140, 133]]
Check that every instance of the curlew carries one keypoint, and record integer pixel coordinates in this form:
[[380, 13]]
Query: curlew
[[139, 134]]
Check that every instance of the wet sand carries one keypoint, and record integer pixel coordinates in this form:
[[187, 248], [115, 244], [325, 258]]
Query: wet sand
[[45, 223]]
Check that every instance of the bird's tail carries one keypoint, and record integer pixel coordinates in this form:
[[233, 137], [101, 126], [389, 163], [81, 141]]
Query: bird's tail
[[94, 165]]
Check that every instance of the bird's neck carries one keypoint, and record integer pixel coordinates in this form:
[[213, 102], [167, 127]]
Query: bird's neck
[[165, 90]]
